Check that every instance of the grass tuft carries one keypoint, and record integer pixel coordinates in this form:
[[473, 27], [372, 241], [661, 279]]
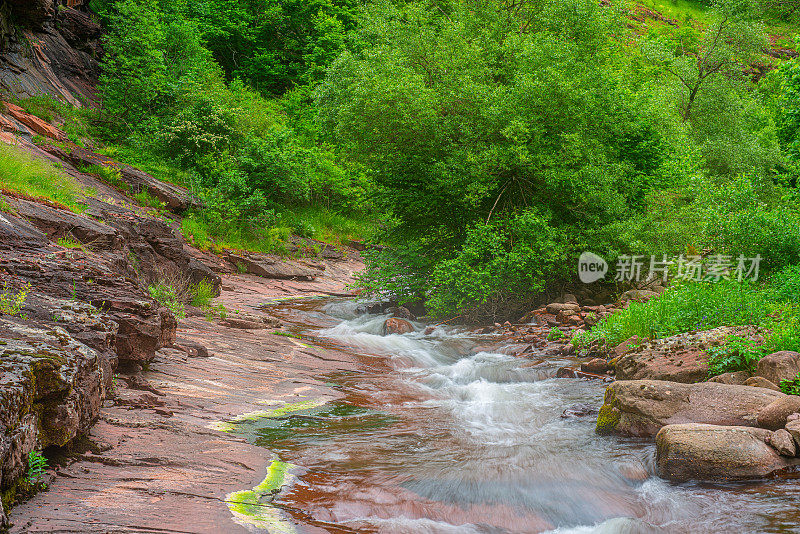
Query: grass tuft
[[28, 177]]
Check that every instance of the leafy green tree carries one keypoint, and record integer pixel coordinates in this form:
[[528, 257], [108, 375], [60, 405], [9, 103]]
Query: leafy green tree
[[465, 120]]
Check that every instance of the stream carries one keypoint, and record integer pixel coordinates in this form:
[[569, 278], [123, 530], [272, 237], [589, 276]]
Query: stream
[[430, 437]]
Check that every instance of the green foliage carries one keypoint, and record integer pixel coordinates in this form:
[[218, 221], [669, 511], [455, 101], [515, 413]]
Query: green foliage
[[736, 354], [785, 285], [24, 174], [145, 198], [555, 334], [791, 387], [201, 294], [11, 301], [108, 174], [167, 295], [70, 242], [684, 308], [784, 330], [275, 45], [495, 266], [788, 109], [37, 465]]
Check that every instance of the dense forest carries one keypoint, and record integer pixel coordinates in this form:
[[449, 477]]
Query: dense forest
[[484, 144]]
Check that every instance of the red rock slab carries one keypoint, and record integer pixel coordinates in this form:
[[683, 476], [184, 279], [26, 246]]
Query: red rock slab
[[165, 469], [33, 122]]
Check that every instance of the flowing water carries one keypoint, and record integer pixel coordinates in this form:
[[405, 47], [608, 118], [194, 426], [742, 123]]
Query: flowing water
[[430, 437]]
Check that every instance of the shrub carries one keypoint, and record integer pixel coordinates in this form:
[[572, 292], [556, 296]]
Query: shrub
[[736, 354], [784, 330], [168, 296], [145, 198], [201, 294], [785, 285], [791, 387], [685, 308]]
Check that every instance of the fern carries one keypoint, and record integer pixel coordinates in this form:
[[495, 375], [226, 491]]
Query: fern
[[37, 465]]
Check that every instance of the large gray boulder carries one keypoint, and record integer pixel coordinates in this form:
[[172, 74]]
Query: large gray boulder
[[778, 366], [642, 407], [716, 453]]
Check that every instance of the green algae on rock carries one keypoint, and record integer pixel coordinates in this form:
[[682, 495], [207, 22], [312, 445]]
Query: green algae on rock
[[253, 507], [281, 411]]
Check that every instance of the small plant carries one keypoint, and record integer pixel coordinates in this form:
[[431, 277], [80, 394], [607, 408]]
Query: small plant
[[219, 310], [5, 207], [736, 354], [11, 301], [287, 334], [168, 297], [201, 293], [110, 175], [145, 198], [555, 334], [791, 387], [241, 268], [37, 465], [70, 242]]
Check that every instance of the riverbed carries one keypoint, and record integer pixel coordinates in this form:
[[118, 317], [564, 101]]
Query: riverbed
[[429, 436]]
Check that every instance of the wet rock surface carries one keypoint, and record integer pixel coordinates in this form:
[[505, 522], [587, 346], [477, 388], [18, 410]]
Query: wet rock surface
[[152, 451]]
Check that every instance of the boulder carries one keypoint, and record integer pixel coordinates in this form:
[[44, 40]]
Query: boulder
[[714, 453], [642, 407], [33, 12], [571, 308], [394, 325], [51, 390], [679, 358], [782, 442], [779, 366], [637, 295], [775, 415], [737, 378], [793, 428], [401, 312], [596, 366], [761, 382]]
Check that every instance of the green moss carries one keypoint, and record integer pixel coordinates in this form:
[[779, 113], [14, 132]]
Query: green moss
[[609, 416], [249, 510], [9, 496]]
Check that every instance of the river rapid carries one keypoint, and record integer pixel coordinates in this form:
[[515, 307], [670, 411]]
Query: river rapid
[[429, 436]]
